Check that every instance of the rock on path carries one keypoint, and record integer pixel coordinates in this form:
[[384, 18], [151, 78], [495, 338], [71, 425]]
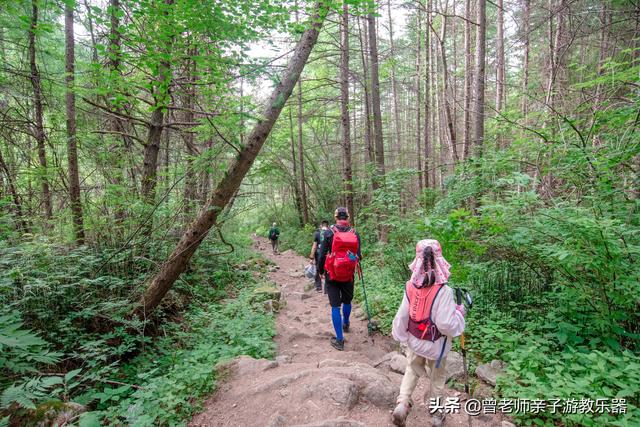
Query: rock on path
[[309, 383]]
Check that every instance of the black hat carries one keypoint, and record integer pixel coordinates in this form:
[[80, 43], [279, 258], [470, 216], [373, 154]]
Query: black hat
[[342, 213]]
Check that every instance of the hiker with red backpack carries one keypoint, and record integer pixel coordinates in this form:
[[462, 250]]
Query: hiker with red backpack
[[427, 321], [339, 257]]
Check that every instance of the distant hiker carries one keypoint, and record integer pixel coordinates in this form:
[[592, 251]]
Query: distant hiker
[[318, 237], [427, 321], [339, 257], [274, 233]]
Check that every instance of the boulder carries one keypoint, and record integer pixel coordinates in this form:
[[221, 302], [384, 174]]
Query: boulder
[[248, 365], [455, 366], [264, 293], [383, 362], [273, 268], [488, 372], [398, 363], [507, 424], [375, 387], [310, 286], [342, 391]]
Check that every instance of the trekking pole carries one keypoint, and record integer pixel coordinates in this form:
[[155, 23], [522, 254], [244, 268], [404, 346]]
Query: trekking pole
[[463, 296], [370, 326]]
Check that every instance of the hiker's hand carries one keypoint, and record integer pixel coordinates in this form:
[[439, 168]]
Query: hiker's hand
[[461, 309]]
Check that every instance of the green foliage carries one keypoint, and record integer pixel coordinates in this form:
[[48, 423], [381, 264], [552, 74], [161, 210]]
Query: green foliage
[[174, 382], [120, 374], [20, 349]]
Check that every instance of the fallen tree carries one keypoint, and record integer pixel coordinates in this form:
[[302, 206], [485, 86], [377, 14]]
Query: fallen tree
[[158, 286]]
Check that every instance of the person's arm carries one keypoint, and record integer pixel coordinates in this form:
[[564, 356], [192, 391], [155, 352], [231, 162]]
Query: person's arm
[[401, 322], [449, 321], [324, 250], [313, 250], [314, 246]]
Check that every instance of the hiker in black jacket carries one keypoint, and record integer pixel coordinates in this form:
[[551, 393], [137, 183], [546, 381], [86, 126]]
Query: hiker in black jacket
[[339, 263], [318, 237]]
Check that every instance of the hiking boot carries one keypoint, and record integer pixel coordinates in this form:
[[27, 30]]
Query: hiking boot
[[319, 290], [399, 415], [345, 327], [437, 419], [337, 344]]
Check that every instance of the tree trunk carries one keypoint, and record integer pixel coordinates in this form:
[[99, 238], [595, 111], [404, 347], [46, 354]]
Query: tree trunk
[[364, 47], [375, 102], [500, 65], [394, 88], [189, 116], [427, 98], [294, 163], [177, 262], [154, 135], [17, 205], [478, 109], [419, 98], [303, 183], [38, 113], [468, 76], [72, 148], [344, 109], [451, 127], [525, 65]]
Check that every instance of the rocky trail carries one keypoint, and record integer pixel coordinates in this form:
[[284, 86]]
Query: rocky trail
[[311, 384]]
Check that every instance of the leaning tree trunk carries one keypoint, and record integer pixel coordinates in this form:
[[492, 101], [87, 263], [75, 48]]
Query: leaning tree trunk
[[177, 262], [72, 147], [38, 114], [344, 109]]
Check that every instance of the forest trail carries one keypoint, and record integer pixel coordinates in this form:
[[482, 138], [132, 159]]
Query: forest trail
[[310, 383]]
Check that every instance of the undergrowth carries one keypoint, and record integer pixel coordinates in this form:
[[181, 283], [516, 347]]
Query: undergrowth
[[66, 333]]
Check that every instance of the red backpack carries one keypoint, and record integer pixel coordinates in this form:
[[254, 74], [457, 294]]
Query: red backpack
[[342, 261]]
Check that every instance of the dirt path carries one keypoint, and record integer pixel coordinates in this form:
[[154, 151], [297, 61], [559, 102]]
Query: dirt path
[[310, 383]]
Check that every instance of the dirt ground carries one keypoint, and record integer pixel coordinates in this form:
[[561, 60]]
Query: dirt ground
[[310, 383]]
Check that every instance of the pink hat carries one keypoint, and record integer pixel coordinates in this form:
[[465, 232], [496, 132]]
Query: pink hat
[[441, 267]]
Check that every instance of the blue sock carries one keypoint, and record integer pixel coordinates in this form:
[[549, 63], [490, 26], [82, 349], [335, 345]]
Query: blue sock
[[337, 322], [346, 312]]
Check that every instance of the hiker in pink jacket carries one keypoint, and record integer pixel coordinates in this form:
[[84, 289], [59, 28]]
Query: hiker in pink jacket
[[427, 321]]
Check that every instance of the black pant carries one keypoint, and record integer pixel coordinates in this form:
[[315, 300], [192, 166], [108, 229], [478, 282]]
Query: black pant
[[339, 292], [274, 245], [318, 280]]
